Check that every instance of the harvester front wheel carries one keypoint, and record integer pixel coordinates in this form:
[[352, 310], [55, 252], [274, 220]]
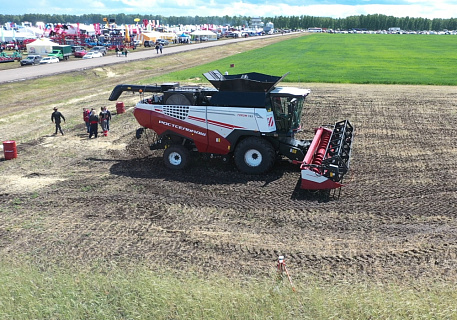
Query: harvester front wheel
[[176, 157], [254, 155]]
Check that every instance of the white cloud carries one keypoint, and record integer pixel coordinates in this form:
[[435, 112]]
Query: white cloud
[[97, 5]]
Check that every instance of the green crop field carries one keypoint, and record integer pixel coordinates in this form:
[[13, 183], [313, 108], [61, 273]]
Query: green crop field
[[346, 58]]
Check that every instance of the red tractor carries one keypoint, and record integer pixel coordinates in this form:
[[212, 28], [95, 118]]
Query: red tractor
[[244, 117]]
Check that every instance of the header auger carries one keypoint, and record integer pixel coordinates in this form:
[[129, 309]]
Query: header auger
[[245, 117]]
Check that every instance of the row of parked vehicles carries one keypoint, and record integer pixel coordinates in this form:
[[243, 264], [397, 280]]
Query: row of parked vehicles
[[149, 43], [63, 53], [94, 52]]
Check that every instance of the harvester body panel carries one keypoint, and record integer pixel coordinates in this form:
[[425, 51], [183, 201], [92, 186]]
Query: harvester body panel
[[208, 126]]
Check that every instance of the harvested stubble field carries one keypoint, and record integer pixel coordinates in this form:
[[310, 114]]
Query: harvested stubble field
[[111, 199]]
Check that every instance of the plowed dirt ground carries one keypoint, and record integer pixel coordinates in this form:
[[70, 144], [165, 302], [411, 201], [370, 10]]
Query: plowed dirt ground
[[112, 199]]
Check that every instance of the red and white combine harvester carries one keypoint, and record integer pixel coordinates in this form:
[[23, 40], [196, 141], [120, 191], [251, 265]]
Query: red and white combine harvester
[[244, 117]]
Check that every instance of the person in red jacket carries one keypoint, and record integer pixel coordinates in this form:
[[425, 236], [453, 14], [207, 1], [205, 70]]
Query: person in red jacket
[[86, 115]]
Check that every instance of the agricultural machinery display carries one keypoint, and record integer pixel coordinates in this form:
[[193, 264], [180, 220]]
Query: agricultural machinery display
[[15, 56], [245, 117]]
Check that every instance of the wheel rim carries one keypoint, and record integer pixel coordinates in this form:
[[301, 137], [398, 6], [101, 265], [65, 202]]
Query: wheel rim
[[253, 158], [175, 158]]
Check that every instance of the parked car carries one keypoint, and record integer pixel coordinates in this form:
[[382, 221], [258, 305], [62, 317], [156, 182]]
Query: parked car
[[163, 41], [31, 60], [150, 43], [101, 49], [93, 54], [80, 53], [76, 48], [46, 60]]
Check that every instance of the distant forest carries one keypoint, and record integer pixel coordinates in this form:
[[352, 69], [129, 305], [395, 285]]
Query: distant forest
[[369, 22]]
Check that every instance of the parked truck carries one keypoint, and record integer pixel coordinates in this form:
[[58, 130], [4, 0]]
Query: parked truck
[[63, 52], [245, 117]]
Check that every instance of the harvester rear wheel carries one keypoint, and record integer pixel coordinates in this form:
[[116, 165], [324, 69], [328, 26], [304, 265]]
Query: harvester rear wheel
[[176, 157], [254, 155]]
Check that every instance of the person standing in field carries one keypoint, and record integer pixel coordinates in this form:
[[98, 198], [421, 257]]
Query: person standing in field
[[86, 115], [56, 117], [93, 119], [108, 117], [104, 120], [160, 47]]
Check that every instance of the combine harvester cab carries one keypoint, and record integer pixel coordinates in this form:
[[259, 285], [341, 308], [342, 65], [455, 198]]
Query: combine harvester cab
[[245, 117]]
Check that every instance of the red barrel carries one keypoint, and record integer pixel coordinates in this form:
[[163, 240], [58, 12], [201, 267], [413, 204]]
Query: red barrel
[[9, 149], [120, 108]]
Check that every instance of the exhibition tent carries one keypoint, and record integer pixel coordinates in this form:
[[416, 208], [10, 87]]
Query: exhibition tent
[[184, 38], [40, 46], [203, 35]]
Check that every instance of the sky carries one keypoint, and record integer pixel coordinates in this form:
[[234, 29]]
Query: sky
[[251, 8]]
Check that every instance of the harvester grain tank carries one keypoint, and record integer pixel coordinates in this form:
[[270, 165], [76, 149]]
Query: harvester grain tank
[[245, 117]]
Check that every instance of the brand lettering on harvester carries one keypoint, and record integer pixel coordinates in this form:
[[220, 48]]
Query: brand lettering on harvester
[[178, 127]]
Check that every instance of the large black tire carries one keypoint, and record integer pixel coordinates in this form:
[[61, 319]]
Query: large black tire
[[254, 155], [176, 157]]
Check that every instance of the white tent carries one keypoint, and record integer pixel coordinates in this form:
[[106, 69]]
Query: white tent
[[13, 35], [40, 46], [203, 35]]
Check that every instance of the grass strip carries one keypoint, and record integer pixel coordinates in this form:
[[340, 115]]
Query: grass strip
[[30, 291]]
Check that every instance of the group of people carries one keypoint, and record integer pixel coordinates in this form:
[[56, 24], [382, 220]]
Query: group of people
[[120, 52], [92, 119], [158, 47]]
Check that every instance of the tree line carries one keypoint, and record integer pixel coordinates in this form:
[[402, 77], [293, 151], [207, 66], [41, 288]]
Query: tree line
[[368, 22]]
